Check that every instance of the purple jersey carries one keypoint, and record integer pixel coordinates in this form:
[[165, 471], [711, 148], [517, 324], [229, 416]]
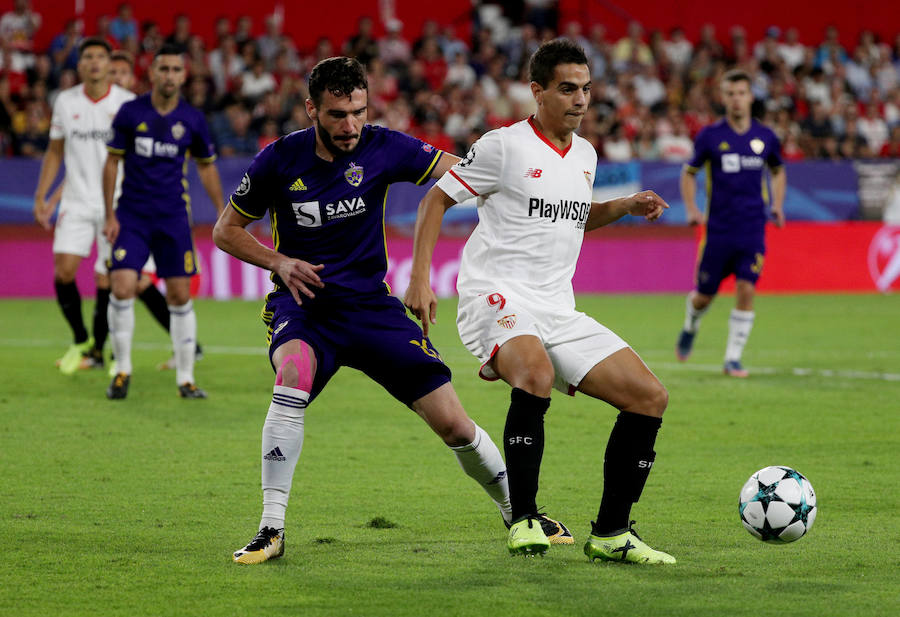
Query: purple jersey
[[155, 148], [736, 184], [333, 212]]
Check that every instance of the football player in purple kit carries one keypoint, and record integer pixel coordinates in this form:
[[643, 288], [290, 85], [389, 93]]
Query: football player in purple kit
[[325, 189], [153, 135], [735, 151]]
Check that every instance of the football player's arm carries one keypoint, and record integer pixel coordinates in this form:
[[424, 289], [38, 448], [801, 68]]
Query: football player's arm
[[110, 171], [688, 185], [43, 209], [779, 189], [230, 234], [209, 178], [444, 164], [646, 203], [420, 298]]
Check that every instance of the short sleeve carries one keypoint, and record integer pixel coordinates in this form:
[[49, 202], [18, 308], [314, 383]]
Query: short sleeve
[[478, 173], [122, 134], [413, 159], [253, 196], [57, 124], [202, 147], [774, 156], [701, 153]]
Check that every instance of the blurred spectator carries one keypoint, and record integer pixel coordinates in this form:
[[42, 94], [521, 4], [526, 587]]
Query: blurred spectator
[[830, 51], [451, 44], [460, 74], [792, 50], [64, 47], [362, 45], [616, 146], [891, 148], [233, 133], [649, 88], [19, 25], [431, 132], [257, 81], [224, 64], [33, 135], [269, 44], [270, 133], [181, 33], [646, 146], [243, 30], [393, 49], [678, 49], [433, 64], [873, 128], [124, 25], [676, 147], [631, 50]]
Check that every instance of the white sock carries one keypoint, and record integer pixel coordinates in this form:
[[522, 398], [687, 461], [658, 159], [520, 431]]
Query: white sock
[[739, 325], [183, 330], [481, 460], [692, 316], [120, 314], [282, 440]]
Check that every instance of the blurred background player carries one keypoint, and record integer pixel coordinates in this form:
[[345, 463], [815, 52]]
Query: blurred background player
[[534, 184], [735, 151], [79, 129], [326, 188], [122, 72], [152, 135]]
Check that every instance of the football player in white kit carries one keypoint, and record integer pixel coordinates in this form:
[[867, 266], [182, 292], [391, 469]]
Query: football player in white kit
[[533, 182], [80, 126]]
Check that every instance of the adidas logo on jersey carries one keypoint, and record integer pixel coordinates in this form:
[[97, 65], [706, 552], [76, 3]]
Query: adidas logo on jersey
[[141, 128], [298, 185]]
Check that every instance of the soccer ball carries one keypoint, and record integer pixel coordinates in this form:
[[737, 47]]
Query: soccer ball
[[778, 505]]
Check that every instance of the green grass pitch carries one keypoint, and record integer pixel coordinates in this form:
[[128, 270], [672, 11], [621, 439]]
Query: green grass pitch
[[130, 508]]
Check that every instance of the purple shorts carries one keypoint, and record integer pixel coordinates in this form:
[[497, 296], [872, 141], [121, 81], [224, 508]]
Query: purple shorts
[[722, 256], [168, 239], [370, 333]]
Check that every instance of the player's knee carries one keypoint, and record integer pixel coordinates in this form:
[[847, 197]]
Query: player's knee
[[537, 380], [296, 371], [456, 431], [63, 276], [655, 400]]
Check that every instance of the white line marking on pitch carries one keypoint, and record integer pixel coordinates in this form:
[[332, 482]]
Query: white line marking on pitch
[[237, 350]]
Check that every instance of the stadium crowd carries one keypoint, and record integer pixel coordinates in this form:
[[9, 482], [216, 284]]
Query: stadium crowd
[[652, 93]]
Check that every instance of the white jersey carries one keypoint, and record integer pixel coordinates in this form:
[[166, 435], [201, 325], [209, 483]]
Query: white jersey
[[533, 204], [86, 125]]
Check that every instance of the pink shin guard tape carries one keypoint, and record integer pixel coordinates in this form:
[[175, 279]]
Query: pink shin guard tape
[[303, 363]]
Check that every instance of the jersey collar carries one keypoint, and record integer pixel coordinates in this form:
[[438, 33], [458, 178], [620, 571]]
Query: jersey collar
[[541, 136], [97, 100]]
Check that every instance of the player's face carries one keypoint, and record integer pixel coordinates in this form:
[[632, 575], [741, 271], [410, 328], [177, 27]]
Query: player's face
[[93, 65], [737, 98], [121, 74], [167, 75], [565, 99], [339, 120]]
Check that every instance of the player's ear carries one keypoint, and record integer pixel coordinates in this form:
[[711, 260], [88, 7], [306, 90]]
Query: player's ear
[[537, 92], [311, 110]]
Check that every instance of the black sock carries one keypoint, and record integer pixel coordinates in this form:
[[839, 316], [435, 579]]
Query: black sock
[[523, 444], [70, 302], [626, 466], [101, 322], [156, 304]]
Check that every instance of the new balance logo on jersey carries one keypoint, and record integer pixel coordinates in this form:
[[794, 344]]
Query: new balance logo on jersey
[[533, 173], [275, 455], [564, 210]]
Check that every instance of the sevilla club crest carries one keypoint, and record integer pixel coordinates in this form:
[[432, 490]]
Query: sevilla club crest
[[884, 258]]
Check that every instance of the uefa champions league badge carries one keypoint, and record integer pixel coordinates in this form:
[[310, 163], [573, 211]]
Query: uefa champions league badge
[[354, 174], [178, 130]]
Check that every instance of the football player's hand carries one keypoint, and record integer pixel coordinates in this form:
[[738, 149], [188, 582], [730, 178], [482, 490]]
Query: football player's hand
[[300, 277], [111, 229], [42, 212], [694, 217], [421, 302], [647, 204], [778, 216]]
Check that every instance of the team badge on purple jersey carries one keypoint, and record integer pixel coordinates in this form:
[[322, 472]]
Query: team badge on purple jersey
[[354, 174]]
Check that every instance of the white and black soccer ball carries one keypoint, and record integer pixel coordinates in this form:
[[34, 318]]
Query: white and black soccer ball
[[778, 505]]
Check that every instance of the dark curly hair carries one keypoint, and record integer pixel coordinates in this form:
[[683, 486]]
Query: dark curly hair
[[552, 53], [339, 75]]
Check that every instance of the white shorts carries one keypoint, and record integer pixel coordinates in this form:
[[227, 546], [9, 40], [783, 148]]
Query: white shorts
[[575, 342], [77, 228]]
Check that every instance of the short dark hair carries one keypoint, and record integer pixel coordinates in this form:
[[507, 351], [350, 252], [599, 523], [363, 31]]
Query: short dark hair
[[169, 49], [736, 75], [122, 55], [339, 75], [93, 41], [552, 53]]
